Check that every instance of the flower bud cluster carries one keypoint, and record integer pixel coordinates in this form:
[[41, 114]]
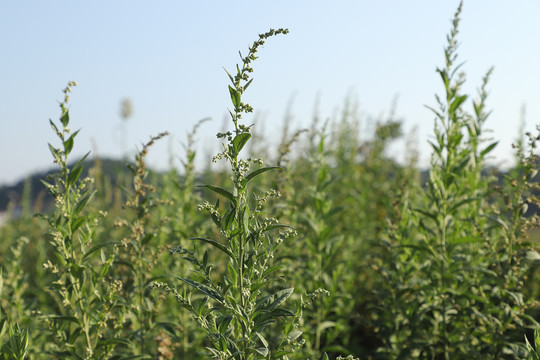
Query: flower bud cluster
[[210, 208]]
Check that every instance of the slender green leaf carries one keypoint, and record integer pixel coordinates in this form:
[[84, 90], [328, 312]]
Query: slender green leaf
[[426, 213], [74, 175], [81, 204], [278, 226], [465, 240], [113, 341], [270, 270], [247, 84], [81, 160], [262, 351], [240, 141], [232, 272], [72, 319], [263, 340], [98, 247], [488, 149], [68, 144], [228, 219], [55, 152], [456, 103], [64, 119], [77, 223], [235, 96], [260, 171], [295, 334], [230, 76], [220, 191], [204, 289], [54, 127], [270, 302]]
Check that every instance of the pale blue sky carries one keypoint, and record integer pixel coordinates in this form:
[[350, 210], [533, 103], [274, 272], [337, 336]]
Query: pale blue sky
[[168, 58]]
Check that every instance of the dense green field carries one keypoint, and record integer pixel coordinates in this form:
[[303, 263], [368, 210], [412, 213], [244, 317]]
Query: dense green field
[[320, 248]]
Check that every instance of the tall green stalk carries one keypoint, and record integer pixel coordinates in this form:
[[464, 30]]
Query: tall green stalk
[[239, 308], [454, 274], [84, 301]]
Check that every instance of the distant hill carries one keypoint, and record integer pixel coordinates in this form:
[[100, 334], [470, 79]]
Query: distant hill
[[13, 195]]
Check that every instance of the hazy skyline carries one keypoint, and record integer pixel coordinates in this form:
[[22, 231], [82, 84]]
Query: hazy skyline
[[167, 57]]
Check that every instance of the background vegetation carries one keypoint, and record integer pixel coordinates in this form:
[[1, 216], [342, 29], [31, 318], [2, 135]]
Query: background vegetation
[[323, 247]]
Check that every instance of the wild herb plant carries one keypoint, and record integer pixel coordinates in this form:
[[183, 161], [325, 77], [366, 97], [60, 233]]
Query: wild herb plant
[[533, 352], [238, 308], [84, 298], [179, 187], [139, 253], [23, 250], [455, 275], [521, 194], [16, 346], [317, 261], [15, 285], [437, 272]]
